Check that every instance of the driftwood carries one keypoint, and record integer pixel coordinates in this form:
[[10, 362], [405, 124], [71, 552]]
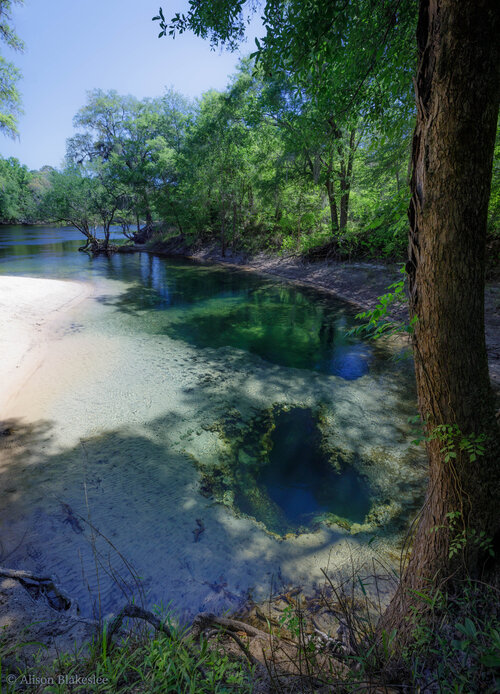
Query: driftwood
[[204, 620], [57, 598], [135, 612]]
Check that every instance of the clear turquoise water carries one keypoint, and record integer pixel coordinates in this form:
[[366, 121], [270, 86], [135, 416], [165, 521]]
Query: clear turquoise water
[[297, 476], [205, 306], [167, 350]]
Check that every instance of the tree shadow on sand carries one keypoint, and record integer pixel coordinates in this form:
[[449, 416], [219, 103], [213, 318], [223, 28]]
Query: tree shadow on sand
[[117, 515]]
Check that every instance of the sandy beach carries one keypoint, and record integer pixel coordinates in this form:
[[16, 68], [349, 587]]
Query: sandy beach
[[29, 309]]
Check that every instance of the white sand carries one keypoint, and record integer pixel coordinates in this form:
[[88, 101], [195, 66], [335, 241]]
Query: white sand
[[28, 309]]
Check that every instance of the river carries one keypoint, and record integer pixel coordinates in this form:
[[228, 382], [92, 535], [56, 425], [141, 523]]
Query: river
[[198, 433]]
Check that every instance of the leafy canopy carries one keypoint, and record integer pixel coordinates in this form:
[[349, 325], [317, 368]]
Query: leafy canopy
[[353, 58], [10, 100]]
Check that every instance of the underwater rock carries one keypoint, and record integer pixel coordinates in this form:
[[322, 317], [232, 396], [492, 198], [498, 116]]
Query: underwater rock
[[282, 471]]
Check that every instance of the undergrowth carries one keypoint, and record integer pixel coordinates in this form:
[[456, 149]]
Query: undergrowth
[[142, 661], [457, 647], [455, 650]]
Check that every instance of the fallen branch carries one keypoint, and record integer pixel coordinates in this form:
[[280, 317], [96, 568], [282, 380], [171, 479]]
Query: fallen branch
[[135, 612], [251, 659], [43, 585], [206, 619]]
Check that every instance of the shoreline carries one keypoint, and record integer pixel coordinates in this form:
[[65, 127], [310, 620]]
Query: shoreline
[[358, 283], [29, 310]]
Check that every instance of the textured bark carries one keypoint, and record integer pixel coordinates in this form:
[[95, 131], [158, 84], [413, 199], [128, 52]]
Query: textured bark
[[333, 206], [346, 165], [457, 92]]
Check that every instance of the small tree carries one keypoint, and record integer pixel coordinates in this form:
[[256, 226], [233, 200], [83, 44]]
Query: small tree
[[83, 202]]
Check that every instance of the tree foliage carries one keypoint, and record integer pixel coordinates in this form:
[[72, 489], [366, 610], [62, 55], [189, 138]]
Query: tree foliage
[[10, 100]]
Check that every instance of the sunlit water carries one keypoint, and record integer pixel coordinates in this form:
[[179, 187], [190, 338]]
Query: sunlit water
[[178, 386]]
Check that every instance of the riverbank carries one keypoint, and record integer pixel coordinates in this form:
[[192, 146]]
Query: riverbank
[[29, 308], [359, 283]]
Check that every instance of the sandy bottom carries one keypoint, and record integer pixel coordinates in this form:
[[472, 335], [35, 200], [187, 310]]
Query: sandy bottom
[[100, 468], [28, 309]]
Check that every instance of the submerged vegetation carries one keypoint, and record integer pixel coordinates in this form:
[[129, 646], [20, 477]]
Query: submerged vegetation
[[282, 472]]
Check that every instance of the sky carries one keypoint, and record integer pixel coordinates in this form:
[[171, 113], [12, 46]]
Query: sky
[[73, 46]]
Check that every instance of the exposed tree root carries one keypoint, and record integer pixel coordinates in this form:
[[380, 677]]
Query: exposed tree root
[[57, 598], [135, 612], [204, 620]]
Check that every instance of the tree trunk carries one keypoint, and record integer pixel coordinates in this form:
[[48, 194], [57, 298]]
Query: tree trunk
[[457, 92], [106, 234], [223, 228], [345, 180], [175, 214], [235, 223], [333, 206]]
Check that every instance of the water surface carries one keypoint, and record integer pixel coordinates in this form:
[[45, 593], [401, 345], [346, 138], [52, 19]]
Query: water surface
[[146, 399]]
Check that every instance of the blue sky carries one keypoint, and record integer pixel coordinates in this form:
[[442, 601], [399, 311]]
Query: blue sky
[[76, 45]]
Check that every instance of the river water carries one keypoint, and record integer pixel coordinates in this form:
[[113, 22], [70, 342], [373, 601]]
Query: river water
[[197, 433]]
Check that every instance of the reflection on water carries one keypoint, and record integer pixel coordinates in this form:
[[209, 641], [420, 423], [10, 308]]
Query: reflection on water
[[204, 305], [144, 373]]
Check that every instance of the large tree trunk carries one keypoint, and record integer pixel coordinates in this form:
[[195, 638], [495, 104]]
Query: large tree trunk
[[346, 165], [457, 92]]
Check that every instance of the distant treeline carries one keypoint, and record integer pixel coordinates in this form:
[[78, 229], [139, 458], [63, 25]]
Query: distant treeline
[[261, 165]]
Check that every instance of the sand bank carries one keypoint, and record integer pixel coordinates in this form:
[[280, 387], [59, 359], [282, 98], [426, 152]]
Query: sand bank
[[29, 309]]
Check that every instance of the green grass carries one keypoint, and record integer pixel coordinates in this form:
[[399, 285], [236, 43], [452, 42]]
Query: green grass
[[142, 662]]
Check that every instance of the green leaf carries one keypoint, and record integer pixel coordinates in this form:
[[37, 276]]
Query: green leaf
[[362, 585], [460, 645], [468, 628], [490, 660]]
